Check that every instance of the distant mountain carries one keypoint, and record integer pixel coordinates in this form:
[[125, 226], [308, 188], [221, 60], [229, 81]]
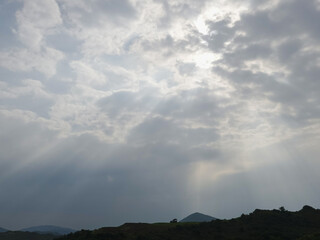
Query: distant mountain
[[3, 230], [16, 235], [49, 229], [198, 217]]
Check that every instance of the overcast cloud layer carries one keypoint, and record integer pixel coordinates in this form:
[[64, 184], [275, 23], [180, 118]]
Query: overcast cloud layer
[[136, 110]]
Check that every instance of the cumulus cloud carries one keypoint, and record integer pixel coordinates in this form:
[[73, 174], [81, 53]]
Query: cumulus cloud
[[25, 60], [149, 110], [35, 20], [273, 56]]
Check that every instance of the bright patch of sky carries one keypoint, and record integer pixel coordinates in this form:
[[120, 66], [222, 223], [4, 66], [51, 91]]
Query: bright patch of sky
[[135, 110]]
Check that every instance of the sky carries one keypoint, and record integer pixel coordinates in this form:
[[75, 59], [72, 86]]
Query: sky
[[115, 111]]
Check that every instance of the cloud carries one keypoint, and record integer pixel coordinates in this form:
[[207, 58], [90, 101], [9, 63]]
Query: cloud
[[101, 26], [263, 59], [87, 75], [35, 20], [149, 110], [95, 12], [127, 102], [111, 177], [25, 60], [175, 10], [186, 68], [31, 96]]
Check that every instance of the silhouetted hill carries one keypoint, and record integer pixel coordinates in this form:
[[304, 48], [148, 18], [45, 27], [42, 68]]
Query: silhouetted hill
[[3, 230], [259, 225], [198, 217], [17, 235], [49, 229]]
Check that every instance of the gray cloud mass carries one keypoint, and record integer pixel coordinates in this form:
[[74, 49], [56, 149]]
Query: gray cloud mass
[[145, 111]]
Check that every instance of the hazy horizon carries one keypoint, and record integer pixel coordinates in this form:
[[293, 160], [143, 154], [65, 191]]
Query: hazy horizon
[[118, 111], [137, 221]]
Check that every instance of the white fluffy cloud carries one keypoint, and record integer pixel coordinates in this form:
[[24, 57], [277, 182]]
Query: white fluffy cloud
[[164, 107], [26, 60], [35, 20]]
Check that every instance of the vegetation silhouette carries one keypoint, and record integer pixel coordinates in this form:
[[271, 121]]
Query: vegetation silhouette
[[174, 220], [261, 224]]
